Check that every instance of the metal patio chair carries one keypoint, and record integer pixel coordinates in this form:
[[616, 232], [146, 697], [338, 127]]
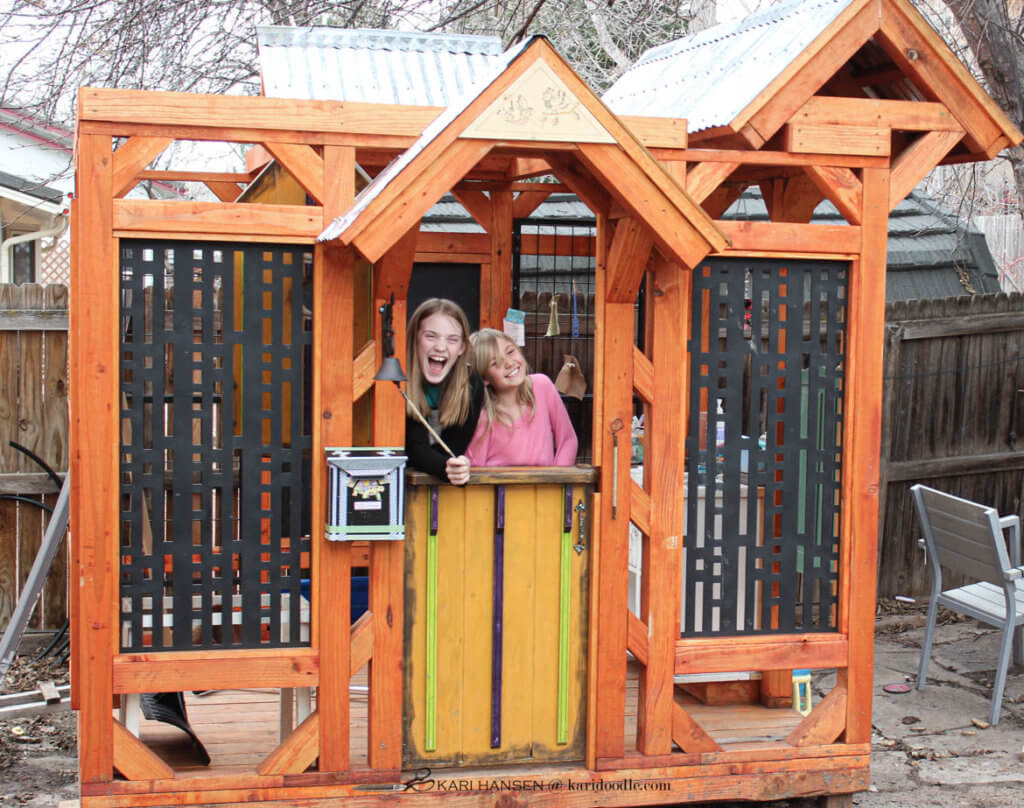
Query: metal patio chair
[[969, 538]]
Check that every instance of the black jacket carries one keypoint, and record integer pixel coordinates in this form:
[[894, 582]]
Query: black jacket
[[431, 458]]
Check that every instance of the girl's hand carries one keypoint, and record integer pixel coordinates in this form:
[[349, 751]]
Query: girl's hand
[[457, 469]]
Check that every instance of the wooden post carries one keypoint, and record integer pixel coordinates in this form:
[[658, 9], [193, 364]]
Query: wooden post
[[663, 471], [94, 459], [333, 350], [496, 285], [387, 558], [861, 472]]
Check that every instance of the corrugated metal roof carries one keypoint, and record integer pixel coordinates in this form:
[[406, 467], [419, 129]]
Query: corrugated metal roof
[[931, 253], [384, 67], [710, 77], [438, 125]]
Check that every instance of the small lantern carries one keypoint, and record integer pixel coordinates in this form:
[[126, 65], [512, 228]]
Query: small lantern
[[365, 493]]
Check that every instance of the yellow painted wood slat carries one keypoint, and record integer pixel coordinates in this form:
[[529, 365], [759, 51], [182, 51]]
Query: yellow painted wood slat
[[478, 532]]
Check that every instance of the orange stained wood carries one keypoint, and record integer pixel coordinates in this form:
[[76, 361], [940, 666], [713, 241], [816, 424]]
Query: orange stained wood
[[636, 637], [643, 375], [574, 175], [95, 438], [639, 507], [704, 178], [859, 528], [131, 157], [298, 751], [75, 320], [688, 734], [808, 72], [825, 723], [387, 581], [663, 477], [936, 69], [681, 227], [496, 286], [836, 139], [616, 345], [761, 653], [289, 222], [782, 237], [364, 368], [526, 202], [135, 760], [374, 231], [841, 187], [627, 259], [477, 204], [224, 191], [919, 116], [189, 670], [304, 164], [362, 642], [333, 302], [915, 161]]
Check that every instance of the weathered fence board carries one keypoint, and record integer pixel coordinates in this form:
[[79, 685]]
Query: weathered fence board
[[34, 414], [954, 418]]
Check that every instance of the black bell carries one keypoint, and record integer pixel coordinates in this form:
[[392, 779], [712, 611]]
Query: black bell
[[390, 371]]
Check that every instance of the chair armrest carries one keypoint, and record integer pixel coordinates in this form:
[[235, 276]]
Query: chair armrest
[[1014, 574], [1012, 523]]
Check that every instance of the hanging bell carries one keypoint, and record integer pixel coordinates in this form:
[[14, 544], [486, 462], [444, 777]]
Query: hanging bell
[[390, 371], [553, 330]]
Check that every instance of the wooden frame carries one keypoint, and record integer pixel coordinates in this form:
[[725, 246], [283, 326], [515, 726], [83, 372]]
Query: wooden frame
[[657, 204]]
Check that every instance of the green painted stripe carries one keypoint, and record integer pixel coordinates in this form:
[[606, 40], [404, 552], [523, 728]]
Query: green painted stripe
[[398, 531], [563, 632], [431, 717]]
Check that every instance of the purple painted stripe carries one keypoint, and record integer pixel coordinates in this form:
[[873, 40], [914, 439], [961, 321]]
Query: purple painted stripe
[[433, 510], [499, 614]]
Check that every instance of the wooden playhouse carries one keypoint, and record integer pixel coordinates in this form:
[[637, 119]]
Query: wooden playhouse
[[220, 348]]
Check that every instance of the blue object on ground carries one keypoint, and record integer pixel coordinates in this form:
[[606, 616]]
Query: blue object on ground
[[359, 599]]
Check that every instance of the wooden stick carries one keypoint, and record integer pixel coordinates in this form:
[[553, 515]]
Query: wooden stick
[[430, 429]]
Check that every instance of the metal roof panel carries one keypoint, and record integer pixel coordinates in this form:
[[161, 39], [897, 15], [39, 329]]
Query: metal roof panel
[[709, 78]]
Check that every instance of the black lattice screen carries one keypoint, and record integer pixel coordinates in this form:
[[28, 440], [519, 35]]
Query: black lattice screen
[[764, 447], [215, 359]]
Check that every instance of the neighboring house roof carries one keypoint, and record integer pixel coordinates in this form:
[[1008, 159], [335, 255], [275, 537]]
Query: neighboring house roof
[[931, 253], [385, 67], [43, 193], [709, 78]]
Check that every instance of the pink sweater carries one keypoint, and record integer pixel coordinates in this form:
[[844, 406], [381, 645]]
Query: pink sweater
[[547, 439]]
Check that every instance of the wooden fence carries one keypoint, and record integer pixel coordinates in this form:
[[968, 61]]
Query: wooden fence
[[34, 414], [953, 418]]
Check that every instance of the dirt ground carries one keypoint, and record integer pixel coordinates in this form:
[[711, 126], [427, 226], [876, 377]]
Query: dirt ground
[[38, 755], [917, 759]]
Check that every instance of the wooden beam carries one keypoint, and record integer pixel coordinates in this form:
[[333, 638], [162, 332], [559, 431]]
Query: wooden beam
[[915, 161], [135, 760], [761, 653], [874, 141], [478, 204], [197, 111], [526, 202], [860, 472], [594, 196], [95, 438], [375, 229], [657, 132], [224, 191], [297, 752], [688, 734], [938, 72], [765, 158], [627, 259], [913, 116], [825, 723], [364, 368], [234, 177], [131, 157], [639, 508], [304, 164], [212, 670], [804, 76], [362, 642], [704, 178], [333, 349], [842, 188], [391, 274], [721, 199], [636, 637], [240, 219], [643, 375], [800, 196], [785, 237], [680, 227], [525, 167]]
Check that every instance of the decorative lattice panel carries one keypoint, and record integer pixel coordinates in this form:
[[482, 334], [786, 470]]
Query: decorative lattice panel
[[764, 447], [215, 359]]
